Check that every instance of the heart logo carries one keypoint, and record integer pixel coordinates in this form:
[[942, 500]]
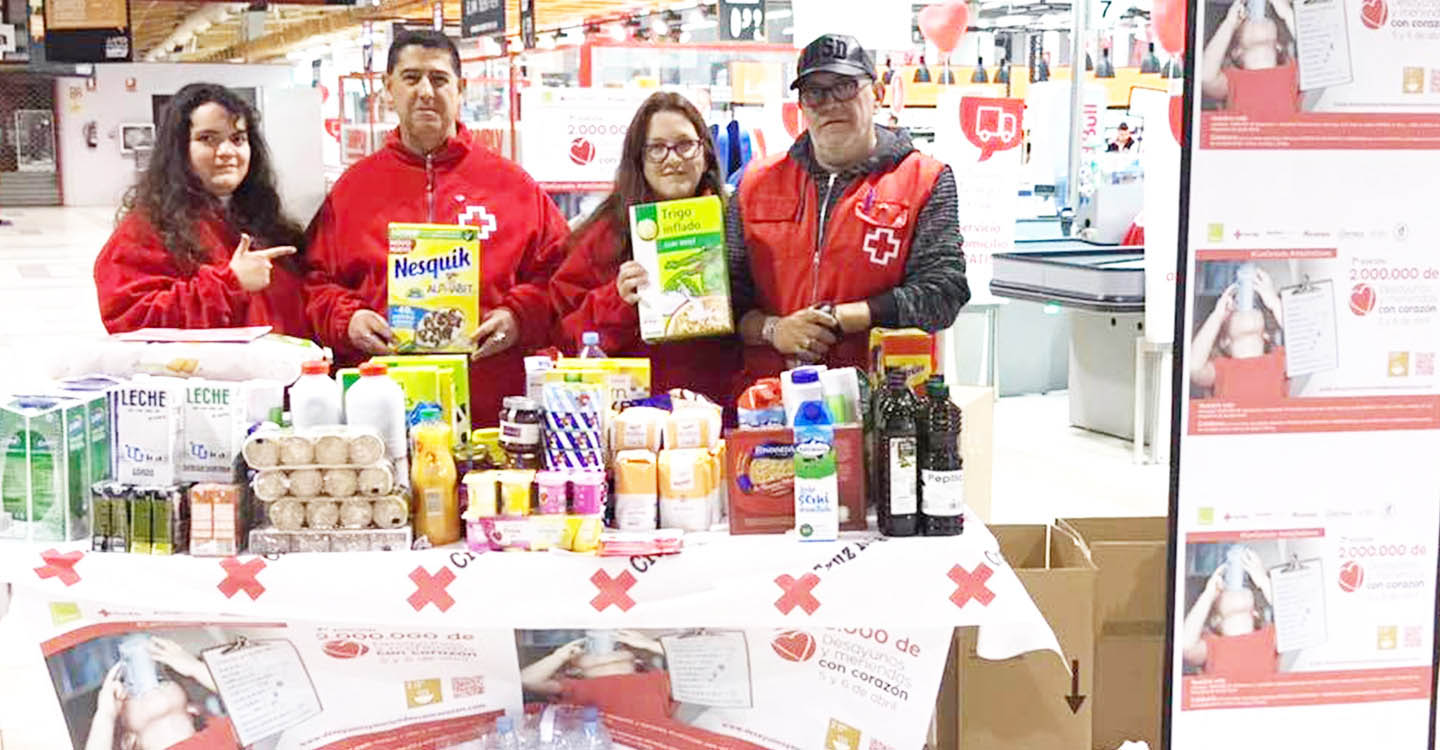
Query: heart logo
[[794, 645], [790, 114], [1362, 299], [1374, 13], [345, 649], [332, 127], [582, 151], [1352, 576], [1177, 118], [945, 25]]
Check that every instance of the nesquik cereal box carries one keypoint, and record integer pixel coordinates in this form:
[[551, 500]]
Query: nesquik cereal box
[[434, 281]]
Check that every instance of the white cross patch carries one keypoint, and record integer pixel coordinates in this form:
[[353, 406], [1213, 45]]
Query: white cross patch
[[882, 246], [480, 217]]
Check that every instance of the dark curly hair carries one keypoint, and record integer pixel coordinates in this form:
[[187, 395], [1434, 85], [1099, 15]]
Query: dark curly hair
[[173, 200]]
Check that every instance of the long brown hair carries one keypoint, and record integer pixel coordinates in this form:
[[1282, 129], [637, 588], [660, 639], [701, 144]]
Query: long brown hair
[[630, 185], [173, 199]]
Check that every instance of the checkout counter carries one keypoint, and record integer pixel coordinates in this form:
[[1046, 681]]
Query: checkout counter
[[1102, 289]]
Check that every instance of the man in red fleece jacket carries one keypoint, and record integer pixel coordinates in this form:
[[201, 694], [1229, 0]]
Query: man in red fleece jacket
[[432, 170]]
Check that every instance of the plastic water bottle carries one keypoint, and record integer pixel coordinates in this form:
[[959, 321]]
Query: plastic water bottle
[[315, 397], [377, 402], [590, 346], [591, 735], [505, 737]]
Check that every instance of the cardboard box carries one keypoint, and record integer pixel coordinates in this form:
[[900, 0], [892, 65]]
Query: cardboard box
[[765, 503], [1026, 702], [681, 244], [977, 444], [1130, 623]]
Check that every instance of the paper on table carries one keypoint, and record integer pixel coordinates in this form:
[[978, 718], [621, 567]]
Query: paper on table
[[195, 335], [1312, 342], [1323, 44], [712, 669], [1299, 605], [264, 687]]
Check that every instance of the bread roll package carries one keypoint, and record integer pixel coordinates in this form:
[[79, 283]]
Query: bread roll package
[[638, 428], [688, 479], [637, 490], [693, 426]]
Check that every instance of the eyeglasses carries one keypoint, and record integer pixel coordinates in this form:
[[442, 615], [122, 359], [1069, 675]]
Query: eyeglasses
[[817, 96], [659, 151]]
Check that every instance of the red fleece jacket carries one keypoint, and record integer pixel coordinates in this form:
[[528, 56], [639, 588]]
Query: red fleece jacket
[[522, 235], [585, 298], [140, 285]]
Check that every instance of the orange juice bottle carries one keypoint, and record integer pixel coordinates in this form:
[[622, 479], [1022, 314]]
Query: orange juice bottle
[[433, 479]]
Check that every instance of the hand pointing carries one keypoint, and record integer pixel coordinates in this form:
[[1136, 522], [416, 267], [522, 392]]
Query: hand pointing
[[252, 267]]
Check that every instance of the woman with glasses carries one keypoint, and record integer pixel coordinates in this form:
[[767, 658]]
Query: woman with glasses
[[668, 155], [202, 241]]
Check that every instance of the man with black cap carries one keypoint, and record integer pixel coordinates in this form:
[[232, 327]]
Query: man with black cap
[[851, 229]]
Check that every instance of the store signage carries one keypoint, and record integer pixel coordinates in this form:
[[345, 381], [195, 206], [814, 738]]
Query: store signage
[[572, 138], [90, 31], [527, 24], [7, 37], [1305, 524], [482, 17], [742, 20], [981, 143]]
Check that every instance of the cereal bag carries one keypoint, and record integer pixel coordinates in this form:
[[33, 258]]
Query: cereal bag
[[681, 244], [434, 277]]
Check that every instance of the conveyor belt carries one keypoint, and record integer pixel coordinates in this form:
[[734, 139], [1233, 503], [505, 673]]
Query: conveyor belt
[[1073, 273]]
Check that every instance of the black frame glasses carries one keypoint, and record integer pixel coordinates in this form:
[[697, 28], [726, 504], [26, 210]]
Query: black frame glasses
[[818, 96], [656, 152]]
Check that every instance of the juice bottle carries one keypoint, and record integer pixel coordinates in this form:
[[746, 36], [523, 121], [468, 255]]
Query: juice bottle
[[432, 479], [897, 455], [942, 479]]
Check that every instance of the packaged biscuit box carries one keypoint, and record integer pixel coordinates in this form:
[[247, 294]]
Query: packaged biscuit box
[[760, 479], [434, 282], [681, 244], [909, 350]]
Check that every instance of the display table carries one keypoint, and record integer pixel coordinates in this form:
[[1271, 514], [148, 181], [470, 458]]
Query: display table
[[866, 617]]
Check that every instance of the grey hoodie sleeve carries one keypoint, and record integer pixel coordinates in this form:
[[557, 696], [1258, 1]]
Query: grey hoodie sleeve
[[742, 285], [934, 288]]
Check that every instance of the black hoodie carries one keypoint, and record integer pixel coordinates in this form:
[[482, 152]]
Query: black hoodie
[[934, 288]]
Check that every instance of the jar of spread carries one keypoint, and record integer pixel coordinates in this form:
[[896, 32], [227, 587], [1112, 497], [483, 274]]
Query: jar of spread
[[520, 420]]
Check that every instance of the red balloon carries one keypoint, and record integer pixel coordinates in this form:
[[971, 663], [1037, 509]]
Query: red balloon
[[945, 25], [1168, 19]]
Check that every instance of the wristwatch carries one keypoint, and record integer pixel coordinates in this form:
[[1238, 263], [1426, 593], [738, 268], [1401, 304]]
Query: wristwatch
[[767, 331]]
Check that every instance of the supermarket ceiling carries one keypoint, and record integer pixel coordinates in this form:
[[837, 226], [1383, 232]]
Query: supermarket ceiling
[[211, 31]]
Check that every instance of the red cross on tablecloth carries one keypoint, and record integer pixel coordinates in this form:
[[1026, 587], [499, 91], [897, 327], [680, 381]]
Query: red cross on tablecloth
[[971, 585], [612, 590], [797, 593], [241, 577], [60, 566], [431, 589]]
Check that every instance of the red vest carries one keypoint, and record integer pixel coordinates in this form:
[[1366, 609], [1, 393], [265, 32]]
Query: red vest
[[867, 241]]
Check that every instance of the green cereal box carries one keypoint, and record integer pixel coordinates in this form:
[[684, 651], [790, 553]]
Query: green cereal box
[[434, 281], [681, 244]]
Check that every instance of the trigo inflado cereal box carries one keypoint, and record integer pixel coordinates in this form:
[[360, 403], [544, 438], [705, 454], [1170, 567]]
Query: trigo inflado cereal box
[[681, 244], [434, 277]]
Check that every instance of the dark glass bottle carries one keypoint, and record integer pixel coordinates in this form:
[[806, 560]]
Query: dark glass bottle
[[942, 478], [896, 459]]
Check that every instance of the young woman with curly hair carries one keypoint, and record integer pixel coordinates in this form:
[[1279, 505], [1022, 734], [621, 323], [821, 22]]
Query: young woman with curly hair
[[201, 241]]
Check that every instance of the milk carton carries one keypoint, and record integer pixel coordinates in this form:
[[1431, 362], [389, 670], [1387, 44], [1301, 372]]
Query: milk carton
[[214, 417], [147, 431]]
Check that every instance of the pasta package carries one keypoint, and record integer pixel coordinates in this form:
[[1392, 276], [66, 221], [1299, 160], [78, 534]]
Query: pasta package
[[681, 244], [434, 287]]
